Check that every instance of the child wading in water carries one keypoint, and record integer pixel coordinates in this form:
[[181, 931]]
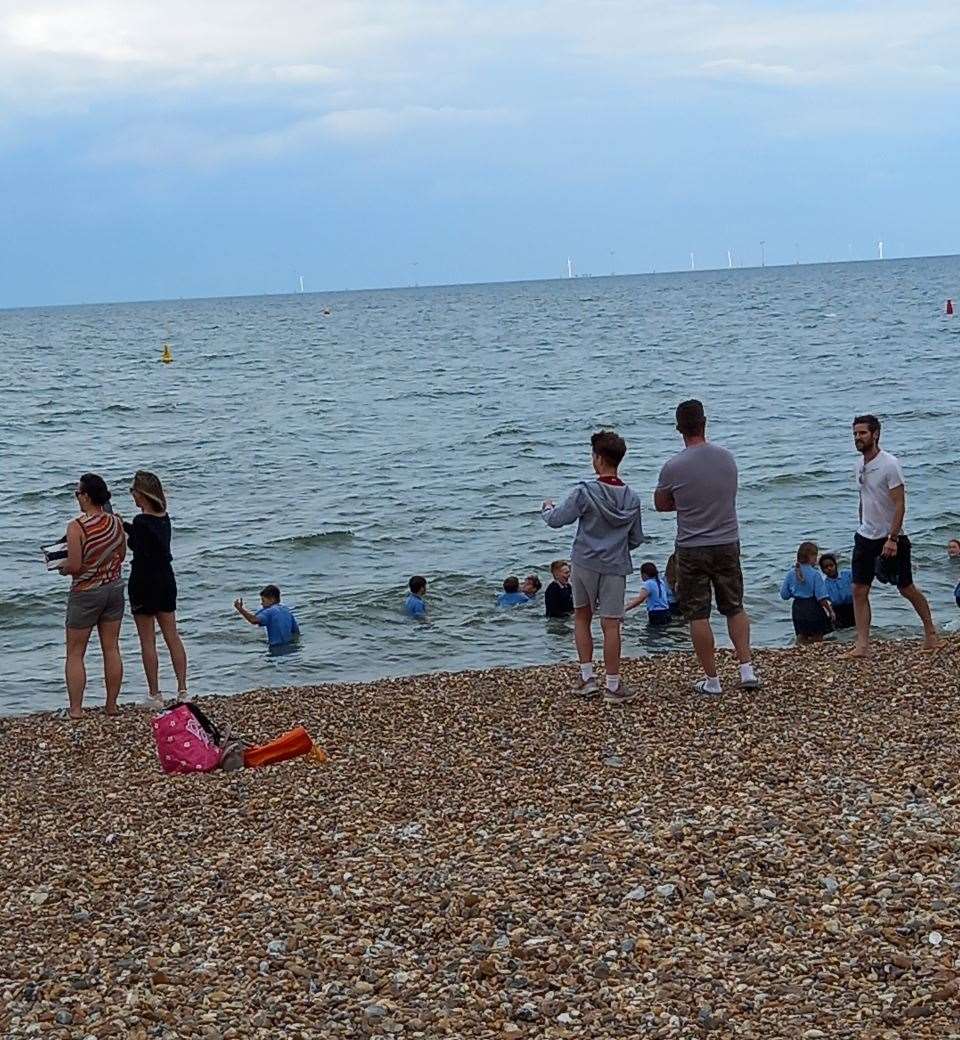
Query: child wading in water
[[655, 594], [804, 584]]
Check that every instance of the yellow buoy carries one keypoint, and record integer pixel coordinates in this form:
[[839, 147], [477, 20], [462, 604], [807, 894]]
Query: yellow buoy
[[166, 357]]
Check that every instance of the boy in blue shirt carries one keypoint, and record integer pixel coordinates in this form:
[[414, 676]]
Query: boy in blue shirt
[[415, 605], [276, 618], [511, 595]]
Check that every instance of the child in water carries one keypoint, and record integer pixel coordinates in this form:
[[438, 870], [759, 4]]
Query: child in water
[[415, 605], [655, 593], [804, 584], [273, 615], [558, 599], [511, 595], [840, 590]]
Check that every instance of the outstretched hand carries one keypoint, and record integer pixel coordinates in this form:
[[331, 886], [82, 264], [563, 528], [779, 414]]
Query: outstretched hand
[[238, 605], [548, 503]]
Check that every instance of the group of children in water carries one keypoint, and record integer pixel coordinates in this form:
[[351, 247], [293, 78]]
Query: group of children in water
[[821, 592], [655, 593]]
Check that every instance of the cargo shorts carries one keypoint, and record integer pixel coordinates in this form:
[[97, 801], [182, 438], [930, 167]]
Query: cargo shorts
[[707, 571]]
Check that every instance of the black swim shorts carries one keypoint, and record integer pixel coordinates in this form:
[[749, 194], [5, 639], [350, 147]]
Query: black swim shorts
[[866, 552]]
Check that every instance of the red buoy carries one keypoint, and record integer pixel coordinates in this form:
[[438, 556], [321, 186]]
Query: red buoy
[[949, 306]]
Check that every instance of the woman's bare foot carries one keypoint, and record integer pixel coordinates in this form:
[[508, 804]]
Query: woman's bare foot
[[932, 643], [857, 653], [75, 716], [112, 713]]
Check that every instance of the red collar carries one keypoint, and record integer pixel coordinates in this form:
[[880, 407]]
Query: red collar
[[613, 481]]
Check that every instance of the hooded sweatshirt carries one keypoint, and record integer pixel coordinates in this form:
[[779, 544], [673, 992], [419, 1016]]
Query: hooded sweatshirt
[[610, 528]]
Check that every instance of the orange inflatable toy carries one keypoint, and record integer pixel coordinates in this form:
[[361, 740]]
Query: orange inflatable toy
[[294, 744]]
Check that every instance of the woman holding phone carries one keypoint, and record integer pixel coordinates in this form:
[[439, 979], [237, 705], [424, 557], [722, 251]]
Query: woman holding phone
[[95, 550], [153, 585]]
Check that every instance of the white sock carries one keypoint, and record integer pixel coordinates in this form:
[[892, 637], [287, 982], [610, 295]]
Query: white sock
[[586, 671], [712, 684], [613, 683], [746, 672]]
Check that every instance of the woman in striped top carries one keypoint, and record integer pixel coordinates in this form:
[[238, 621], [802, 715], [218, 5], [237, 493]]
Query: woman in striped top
[[96, 546]]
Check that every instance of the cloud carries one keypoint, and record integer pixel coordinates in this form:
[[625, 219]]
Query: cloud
[[354, 71], [750, 72]]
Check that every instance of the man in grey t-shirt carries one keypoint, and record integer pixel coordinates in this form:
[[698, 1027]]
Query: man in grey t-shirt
[[700, 485]]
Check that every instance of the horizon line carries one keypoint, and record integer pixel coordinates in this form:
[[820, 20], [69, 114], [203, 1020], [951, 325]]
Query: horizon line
[[451, 285]]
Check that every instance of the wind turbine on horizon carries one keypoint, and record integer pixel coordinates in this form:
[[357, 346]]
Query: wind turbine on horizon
[[880, 248]]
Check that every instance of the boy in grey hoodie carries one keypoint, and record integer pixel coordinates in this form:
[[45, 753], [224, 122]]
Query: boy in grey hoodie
[[609, 529]]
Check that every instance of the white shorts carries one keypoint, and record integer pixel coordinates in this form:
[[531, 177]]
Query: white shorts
[[603, 593]]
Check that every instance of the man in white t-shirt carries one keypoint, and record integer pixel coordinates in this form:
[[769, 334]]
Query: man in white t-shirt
[[880, 547]]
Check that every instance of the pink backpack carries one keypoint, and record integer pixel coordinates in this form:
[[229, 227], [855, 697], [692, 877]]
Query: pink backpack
[[186, 740]]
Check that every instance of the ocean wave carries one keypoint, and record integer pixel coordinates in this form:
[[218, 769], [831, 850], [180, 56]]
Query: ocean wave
[[309, 541]]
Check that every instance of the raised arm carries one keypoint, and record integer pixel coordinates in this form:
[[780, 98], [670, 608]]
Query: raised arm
[[244, 613], [566, 513]]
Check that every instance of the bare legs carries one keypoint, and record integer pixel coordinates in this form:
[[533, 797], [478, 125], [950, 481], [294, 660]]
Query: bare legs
[[75, 670], [701, 634], [864, 616], [738, 627], [147, 631], [583, 635], [109, 632], [611, 644], [931, 641], [178, 655]]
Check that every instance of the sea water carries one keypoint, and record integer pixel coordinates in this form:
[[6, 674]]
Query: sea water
[[418, 431]]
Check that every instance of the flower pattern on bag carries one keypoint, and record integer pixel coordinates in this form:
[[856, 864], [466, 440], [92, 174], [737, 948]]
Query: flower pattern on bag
[[187, 747]]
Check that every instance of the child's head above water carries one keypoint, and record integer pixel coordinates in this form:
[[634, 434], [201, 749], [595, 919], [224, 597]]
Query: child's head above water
[[531, 585], [649, 570], [269, 595], [560, 569], [828, 564], [417, 585], [806, 553], [511, 584]]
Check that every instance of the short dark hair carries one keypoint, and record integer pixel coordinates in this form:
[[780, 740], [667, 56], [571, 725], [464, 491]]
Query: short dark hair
[[691, 418], [649, 570], [871, 422], [832, 557], [417, 584], [271, 592], [95, 488], [610, 446], [511, 584], [534, 581]]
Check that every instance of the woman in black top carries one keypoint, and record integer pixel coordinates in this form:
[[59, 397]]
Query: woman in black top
[[153, 586]]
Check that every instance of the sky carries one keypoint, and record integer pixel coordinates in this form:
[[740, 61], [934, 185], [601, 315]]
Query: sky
[[164, 149]]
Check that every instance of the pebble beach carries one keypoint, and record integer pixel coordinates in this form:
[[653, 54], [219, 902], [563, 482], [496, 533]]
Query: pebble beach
[[483, 856]]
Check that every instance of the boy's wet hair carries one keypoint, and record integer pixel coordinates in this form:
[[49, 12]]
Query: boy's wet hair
[[609, 446], [557, 564], [534, 581], [511, 584], [417, 584], [271, 592]]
